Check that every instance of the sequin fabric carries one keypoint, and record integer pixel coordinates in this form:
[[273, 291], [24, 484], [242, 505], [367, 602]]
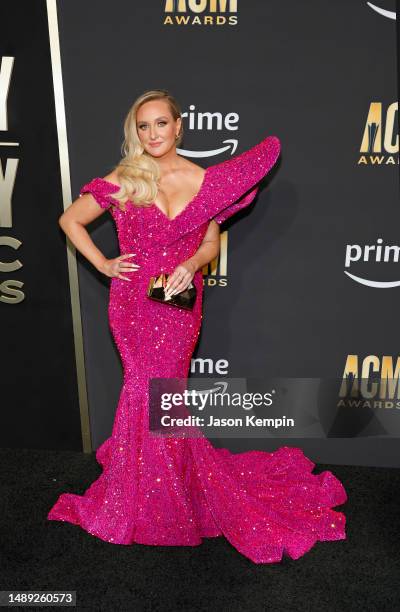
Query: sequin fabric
[[176, 491]]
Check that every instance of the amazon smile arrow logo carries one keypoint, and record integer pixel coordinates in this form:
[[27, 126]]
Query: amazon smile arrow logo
[[371, 283], [381, 11], [230, 143]]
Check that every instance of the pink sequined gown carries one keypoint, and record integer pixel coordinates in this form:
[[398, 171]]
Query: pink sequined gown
[[170, 491]]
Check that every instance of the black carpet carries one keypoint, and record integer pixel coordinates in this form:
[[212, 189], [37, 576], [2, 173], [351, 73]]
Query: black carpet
[[360, 573]]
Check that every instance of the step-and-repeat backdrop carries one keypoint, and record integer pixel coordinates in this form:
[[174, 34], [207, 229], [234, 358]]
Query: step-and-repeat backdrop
[[307, 283]]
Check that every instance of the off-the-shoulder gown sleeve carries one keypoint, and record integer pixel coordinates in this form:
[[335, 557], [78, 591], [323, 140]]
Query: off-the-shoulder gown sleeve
[[227, 187], [164, 490], [100, 190], [248, 169]]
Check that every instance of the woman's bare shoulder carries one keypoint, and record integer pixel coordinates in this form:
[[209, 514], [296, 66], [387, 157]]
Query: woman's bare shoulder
[[112, 177]]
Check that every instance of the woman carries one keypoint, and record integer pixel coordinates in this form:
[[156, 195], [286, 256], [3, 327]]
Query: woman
[[176, 491]]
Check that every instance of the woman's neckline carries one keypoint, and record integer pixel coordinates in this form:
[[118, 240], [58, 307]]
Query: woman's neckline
[[184, 209]]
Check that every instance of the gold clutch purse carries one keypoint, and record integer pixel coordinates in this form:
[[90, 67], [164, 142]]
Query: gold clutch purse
[[184, 299]]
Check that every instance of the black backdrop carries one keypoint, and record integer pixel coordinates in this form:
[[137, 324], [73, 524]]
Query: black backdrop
[[38, 393]]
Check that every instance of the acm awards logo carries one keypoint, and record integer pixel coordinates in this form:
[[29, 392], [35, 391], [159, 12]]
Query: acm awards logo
[[200, 12], [380, 140], [376, 255], [372, 382], [10, 289]]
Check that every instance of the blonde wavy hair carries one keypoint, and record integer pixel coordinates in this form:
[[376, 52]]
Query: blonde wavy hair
[[138, 173]]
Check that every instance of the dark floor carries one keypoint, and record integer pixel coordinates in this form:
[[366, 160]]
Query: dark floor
[[360, 573]]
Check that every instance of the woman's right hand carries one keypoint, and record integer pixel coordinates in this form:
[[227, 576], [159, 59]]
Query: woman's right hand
[[114, 267]]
